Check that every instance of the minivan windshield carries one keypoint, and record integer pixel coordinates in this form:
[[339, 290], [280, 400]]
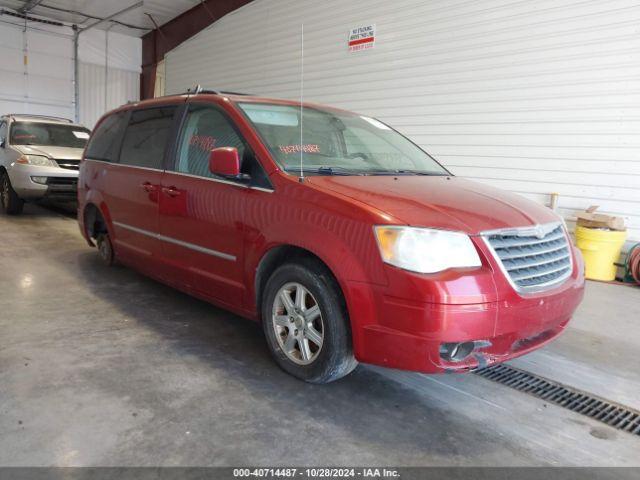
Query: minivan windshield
[[48, 134], [336, 143]]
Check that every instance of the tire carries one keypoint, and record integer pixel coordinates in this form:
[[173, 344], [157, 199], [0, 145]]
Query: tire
[[105, 249], [11, 203], [293, 328]]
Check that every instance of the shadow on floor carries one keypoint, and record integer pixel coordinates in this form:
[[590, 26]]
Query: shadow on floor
[[45, 208]]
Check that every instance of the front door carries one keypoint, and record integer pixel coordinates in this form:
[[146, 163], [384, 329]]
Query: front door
[[201, 216], [133, 185]]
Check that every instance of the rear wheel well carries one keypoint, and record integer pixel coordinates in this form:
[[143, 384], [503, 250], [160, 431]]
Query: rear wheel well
[[93, 221], [280, 255]]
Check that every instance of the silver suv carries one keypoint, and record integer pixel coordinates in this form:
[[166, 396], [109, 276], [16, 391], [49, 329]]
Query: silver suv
[[39, 158]]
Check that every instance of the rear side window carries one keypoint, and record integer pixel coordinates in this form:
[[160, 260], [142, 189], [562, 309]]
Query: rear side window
[[105, 141], [147, 136]]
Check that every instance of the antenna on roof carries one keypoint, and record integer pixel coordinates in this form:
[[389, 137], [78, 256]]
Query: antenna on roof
[[301, 178], [194, 91]]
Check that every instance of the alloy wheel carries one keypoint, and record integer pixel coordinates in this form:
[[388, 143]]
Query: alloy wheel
[[298, 325]]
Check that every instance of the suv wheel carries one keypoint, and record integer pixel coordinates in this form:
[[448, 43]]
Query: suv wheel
[[305, 323], [11, 203]]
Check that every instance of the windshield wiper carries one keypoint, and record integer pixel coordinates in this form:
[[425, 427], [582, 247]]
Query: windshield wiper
[[403, 171], [325, 170], [422, 172]]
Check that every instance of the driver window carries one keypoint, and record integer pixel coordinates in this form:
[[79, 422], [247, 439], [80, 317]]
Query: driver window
[[3, 132], [205, 128]]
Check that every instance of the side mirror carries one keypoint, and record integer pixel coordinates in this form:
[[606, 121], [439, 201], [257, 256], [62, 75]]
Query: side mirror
[[225, 162], [2, 142]]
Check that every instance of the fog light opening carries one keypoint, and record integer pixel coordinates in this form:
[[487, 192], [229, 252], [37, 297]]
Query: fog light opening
[[40, 180], [456, 352]]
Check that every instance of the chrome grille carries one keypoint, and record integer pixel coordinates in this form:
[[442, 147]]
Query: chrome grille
[[68, 164], [533, 258]]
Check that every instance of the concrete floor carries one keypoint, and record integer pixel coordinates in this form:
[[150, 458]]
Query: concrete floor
[[102, 366]]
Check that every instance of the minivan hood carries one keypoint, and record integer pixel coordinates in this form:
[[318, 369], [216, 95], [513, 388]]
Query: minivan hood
[[66, 153], [439, 201]]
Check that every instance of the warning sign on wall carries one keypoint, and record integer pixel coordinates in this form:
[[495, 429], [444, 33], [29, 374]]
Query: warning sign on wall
[[362, 38]]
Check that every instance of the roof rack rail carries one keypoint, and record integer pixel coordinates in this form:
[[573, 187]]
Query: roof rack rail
[[198, 89], [50, 117], [224, 92]]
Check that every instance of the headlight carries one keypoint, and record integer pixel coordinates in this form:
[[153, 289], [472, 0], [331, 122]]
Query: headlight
[[37, 160], [425, 250]]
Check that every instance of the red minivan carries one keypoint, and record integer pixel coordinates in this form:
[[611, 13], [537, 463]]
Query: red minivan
[[345, 239]]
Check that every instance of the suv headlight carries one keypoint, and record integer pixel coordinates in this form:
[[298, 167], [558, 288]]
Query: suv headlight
[[425, 250], [37, 160]]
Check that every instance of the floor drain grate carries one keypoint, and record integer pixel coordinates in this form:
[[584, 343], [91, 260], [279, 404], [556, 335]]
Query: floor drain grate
[[613, 414]]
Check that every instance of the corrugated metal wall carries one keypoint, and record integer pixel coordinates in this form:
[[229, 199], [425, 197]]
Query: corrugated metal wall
[[534, 97], [95, 100], [112, 58]]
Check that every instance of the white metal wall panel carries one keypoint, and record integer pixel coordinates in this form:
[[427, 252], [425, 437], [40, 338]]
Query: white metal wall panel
[[122, 86], [110, 65], [534, 97], [125, 52], [41, 81], [44, 85]]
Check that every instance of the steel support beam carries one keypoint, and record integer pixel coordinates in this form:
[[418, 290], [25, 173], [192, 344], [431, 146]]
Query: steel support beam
[[28, 6], [157, 43], [76, 74]]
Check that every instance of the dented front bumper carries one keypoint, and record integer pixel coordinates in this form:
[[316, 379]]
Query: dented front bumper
[[408, 335]]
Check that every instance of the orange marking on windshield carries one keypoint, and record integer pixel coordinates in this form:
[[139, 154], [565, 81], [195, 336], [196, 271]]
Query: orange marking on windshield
[[310, 148]]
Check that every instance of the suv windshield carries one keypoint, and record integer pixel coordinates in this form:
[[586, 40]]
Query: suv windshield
[[336, 143], [48, 134]]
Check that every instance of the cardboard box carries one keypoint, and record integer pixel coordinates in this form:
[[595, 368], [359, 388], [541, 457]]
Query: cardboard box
[[590, 219]]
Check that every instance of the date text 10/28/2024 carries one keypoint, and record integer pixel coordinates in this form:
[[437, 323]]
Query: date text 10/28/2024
[[315, 472]]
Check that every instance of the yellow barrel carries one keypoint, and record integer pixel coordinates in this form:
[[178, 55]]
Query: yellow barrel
[[600, 249]]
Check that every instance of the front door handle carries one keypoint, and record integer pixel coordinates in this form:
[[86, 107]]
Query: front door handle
[[148, 187], [171, 191]]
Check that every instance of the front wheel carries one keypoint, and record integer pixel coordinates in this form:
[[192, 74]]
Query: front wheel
[[305, 323], [11, 203]]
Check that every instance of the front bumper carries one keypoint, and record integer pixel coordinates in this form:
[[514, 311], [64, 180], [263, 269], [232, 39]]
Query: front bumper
[[61, 183], [397, 332]]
